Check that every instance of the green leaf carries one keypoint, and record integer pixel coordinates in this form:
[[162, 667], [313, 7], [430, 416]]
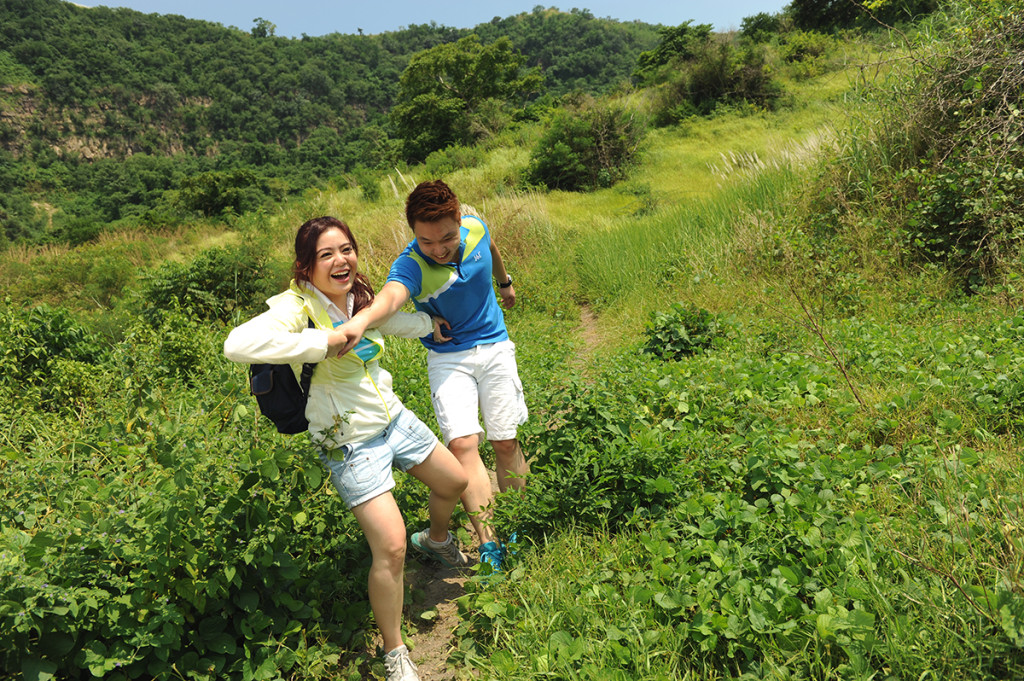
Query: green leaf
[[504, 662], [269, 469], [666, 601], [221, 643], [35, 669]]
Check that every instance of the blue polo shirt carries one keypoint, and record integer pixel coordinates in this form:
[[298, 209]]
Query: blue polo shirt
[[458, 291]]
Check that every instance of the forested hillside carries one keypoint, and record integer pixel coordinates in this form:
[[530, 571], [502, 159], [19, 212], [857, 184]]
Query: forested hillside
[[103, 111]]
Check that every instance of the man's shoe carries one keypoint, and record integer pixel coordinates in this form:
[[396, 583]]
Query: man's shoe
[[491, 554], [399, 667], [446, 553]]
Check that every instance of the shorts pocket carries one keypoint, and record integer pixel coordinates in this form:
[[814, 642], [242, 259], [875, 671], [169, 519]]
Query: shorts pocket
[[350, 472], [417, 436], [443, 422]]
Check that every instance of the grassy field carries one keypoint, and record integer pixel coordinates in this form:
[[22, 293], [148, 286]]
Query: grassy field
[[757, 452]]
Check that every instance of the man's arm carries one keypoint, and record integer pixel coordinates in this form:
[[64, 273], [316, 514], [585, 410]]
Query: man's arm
[[387, 302], [507, 293]]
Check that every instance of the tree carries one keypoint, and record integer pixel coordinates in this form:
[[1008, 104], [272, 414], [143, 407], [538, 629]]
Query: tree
[[445, 90], [761, 26], [588, 150], [263, 28], [832, 15], [678, 43], [824, 15]]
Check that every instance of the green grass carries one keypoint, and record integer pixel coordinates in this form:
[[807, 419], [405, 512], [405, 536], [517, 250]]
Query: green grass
[[831, 490]]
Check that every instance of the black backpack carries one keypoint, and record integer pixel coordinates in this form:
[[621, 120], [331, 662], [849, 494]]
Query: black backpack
[[281, 398]]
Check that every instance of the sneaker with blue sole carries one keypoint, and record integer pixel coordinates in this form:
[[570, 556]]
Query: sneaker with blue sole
[[446, 552]]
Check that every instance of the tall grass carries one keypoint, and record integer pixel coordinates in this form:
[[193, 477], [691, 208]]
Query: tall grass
[[664, 250]]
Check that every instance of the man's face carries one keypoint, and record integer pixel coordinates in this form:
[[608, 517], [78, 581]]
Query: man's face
[[439, 240]]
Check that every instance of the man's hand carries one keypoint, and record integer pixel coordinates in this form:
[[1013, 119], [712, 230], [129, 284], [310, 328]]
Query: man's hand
[[439, 337], [343, 338], [508, 296]]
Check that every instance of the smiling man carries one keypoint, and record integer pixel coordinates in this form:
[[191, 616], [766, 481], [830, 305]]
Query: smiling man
[[447, 271]]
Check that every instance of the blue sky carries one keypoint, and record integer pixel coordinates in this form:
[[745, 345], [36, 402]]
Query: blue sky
[[319, 17]]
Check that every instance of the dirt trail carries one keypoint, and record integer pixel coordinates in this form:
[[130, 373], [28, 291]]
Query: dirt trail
[[437, 588], [588, 329], [432, 641]]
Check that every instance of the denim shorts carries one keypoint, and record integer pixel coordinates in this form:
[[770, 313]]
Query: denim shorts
[[361, 471]]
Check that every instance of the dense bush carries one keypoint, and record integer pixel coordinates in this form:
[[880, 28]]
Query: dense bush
[[456, 157], [48, 359], [968, 184], [744, 511], [719, 73], [208, 556], [945, 153], [588, 150], [760, 27], [214, 193], [215, 284], [682, 331], [807, 52]]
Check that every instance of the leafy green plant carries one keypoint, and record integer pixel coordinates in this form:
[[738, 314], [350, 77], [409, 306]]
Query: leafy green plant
[[447, 91], [718, 74], [682, 331], [446, 161], [368, 183], [800, 536], [50, 357], [592, 149], [215, 284], [946, 149]]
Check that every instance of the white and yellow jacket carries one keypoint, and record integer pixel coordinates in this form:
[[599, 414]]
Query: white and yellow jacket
[[350, 397]]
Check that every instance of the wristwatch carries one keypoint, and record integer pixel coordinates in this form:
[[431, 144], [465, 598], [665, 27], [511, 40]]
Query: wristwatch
[[507, 283]]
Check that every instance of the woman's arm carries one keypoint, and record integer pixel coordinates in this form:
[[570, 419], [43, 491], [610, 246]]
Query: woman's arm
[[276, 337]]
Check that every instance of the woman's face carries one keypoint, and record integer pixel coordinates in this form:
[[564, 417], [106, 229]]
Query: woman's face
[[334, 270]]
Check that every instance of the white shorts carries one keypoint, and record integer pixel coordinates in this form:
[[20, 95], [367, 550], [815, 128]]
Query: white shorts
[[483, 379]]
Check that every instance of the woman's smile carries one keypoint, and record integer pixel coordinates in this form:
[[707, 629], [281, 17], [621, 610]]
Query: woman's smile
[[335, 268]]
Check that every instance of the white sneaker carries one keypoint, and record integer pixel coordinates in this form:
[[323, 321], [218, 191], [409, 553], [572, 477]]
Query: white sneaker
[[399, 667]]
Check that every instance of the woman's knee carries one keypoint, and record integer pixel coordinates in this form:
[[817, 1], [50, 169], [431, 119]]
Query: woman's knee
[[390, 555], [506, 451], [452, 485]]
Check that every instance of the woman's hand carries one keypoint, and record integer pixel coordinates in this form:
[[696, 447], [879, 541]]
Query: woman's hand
[[438, 323]]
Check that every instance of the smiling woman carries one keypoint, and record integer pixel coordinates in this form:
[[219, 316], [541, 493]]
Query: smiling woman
[[359, 426]]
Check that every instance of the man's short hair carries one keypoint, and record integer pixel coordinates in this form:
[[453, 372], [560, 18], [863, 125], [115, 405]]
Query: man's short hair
[[431, 201]]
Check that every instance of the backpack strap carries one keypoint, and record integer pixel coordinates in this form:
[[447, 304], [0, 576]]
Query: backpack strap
[[307, 371]]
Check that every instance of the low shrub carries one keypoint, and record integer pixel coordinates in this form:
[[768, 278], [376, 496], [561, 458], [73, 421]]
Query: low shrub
[[682, 331], [718, 74], [215, 284], [589, 150]]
